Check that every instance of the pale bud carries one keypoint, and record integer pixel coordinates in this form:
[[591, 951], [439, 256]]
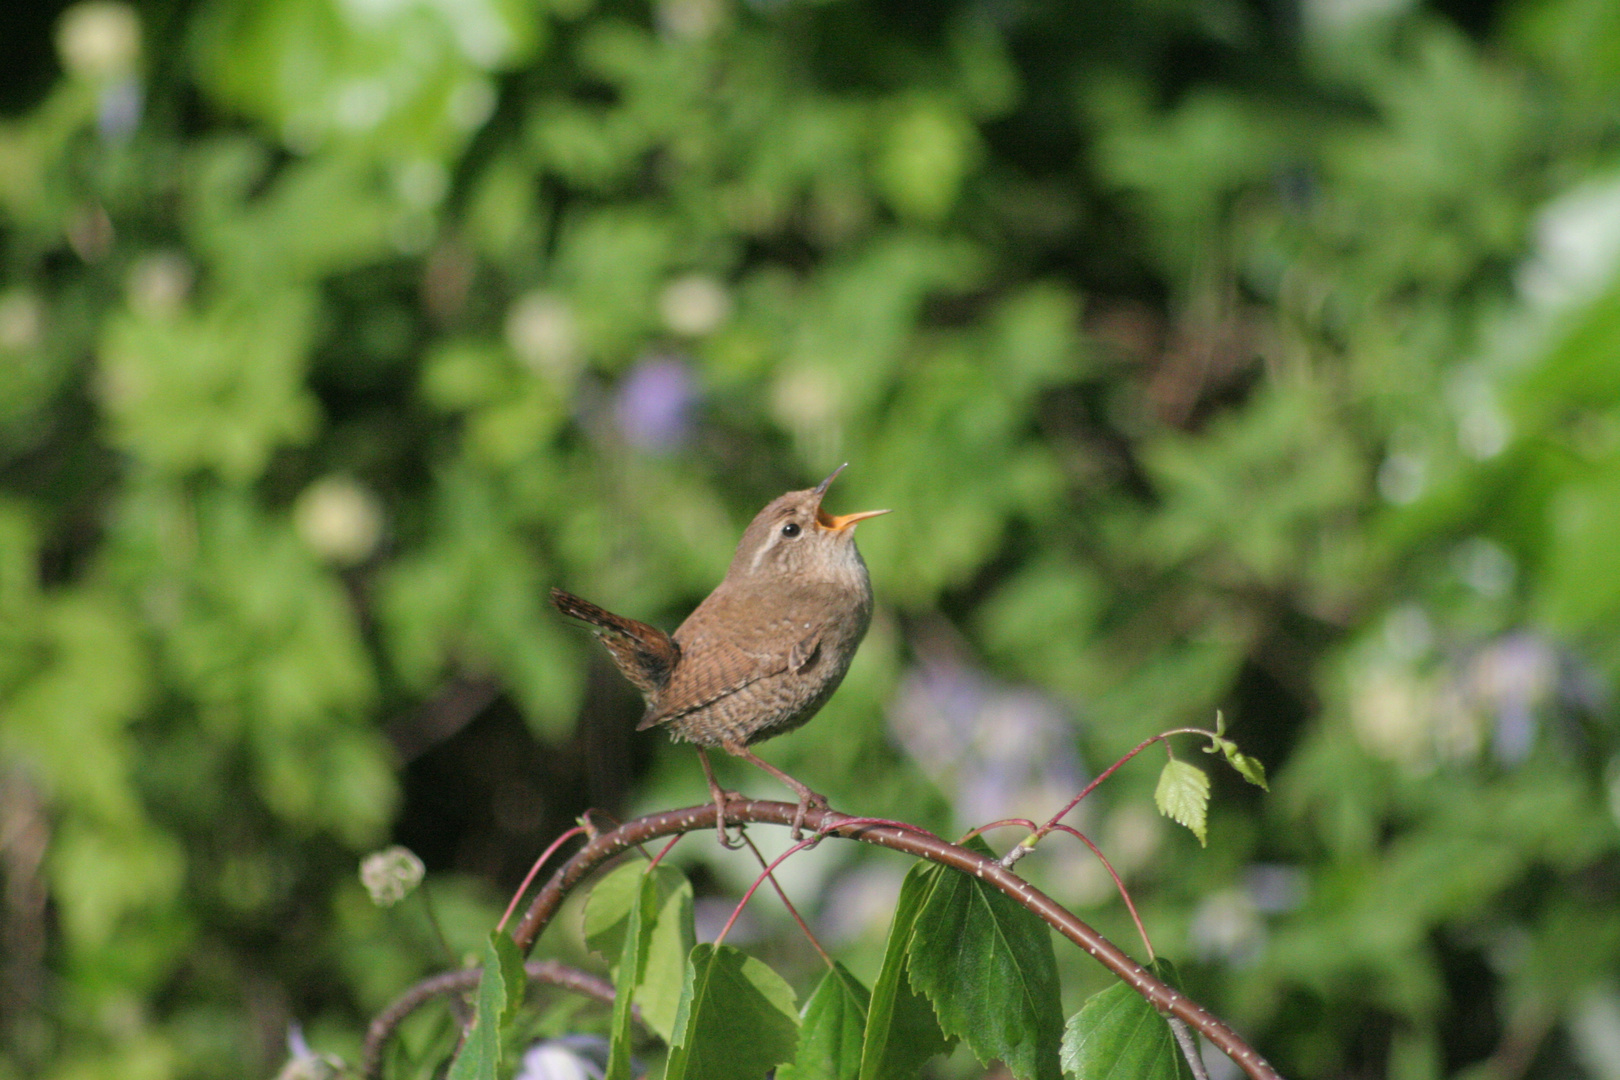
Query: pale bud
[[694, 305], [22, 323], [99, 39], [390, 875], [542, 331], [339, 519]]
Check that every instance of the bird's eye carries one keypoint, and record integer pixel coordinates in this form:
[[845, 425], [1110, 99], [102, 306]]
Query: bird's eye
[[791, 529]]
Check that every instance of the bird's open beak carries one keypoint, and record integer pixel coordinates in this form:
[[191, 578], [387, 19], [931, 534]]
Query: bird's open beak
[[839, 522], [843, 521]]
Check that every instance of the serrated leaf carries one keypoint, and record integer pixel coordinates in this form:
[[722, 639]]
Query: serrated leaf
[[673, 935], [1119, 1035], [607, 915], [902, 1031], [736, 1021], [986, 963], [1249, 768], [637, 935], [1183, 796], [832, 1030], [607, 909], [500, 992], [513, 978]]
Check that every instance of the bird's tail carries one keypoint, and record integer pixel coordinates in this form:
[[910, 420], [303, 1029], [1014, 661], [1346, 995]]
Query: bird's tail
[[644, 653]]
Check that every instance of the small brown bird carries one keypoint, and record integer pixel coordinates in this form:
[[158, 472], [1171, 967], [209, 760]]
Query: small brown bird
[[764, 650]]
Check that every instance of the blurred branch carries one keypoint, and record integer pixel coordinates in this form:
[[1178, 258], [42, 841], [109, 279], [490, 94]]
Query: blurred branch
[[454, 707], [382, 1026]]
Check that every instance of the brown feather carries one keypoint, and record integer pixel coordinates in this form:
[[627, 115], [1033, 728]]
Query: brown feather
[[644, 653]]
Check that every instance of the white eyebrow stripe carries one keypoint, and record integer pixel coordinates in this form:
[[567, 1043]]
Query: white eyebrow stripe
[[760, 554]]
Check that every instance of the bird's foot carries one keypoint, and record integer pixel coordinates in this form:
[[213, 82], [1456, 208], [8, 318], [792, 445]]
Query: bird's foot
[[721, 797], [807, 799]]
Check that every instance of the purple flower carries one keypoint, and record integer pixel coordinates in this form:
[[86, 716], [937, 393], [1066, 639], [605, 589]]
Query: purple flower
[[996, 748], [654, 404], [118, 108]]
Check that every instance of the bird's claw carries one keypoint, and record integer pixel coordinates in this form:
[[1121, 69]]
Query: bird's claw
[[721, 797], [806, 801]]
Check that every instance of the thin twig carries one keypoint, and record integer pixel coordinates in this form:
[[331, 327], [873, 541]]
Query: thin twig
[[760, 880], [793, 911], [535, 869], [658, 858], [1003, 823], [1189, 1048], [1027, 845], [1124, 894]]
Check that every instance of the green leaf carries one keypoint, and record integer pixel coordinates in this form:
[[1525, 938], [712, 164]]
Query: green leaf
[[222, 389], [663, 965], [929, 150], [986, 962], [832, 1031], [737, 1018], [902, 1031], [673, 936], [500, 992], [1183, 795], [1119, 1035], [637, 935], [1249, 768], [613, 900]]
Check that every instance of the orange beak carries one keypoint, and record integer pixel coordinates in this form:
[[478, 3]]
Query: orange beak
[[843, 521], [839, 522]]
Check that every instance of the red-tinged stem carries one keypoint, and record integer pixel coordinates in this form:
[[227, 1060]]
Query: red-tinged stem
[[535, 869], [1118, 884], [1002, 824], [815, 943], [910, 841], [658, 858], [749, 895], [1028, 843], [1086, 840]]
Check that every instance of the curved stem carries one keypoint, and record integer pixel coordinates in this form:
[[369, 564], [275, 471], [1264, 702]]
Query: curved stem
[[765, 875], [1124, 893], [382, 1027], [810, 936], [577, 830], [831, 823], [1027, 845]]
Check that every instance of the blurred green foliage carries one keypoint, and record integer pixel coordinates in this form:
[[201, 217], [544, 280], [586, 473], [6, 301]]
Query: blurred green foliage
[[1239, 355]]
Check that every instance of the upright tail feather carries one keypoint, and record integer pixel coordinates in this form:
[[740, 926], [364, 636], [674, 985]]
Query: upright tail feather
[[644, 653]]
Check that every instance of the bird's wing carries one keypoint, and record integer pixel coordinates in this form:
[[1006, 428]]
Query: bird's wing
[[691, 690], [736, 645]]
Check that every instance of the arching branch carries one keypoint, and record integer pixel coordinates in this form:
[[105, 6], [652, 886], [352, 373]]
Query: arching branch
[[607, 845]]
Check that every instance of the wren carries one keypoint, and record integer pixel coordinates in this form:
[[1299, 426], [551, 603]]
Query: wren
[[764, 651]]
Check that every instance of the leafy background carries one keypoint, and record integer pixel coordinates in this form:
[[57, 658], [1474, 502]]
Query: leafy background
[[1257, 356]]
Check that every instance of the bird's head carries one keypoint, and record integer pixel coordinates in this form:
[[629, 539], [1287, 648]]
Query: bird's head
[[795, 537]]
